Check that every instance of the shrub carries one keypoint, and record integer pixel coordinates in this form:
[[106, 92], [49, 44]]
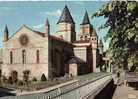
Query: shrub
[[34, 79], [43, 77], [9, 80], [19, 83], [4, 79], [52, 73]]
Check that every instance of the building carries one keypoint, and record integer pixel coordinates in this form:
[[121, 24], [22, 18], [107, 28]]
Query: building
[[38, 53]]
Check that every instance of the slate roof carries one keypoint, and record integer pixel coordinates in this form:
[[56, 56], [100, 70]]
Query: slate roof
[[53, 37], [74, 59], [86, 19], [82, 41], [47, 22], [6, 29], [94, 32], [66, 16]]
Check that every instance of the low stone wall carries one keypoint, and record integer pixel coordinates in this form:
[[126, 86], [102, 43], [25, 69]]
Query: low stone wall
[[80, 89]]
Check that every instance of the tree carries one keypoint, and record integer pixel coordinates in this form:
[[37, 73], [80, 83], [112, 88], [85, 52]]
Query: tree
[[122, 20], [26, 76], [43, 77], [52, 73]]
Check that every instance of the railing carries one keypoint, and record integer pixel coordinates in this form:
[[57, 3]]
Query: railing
[[80, 89]]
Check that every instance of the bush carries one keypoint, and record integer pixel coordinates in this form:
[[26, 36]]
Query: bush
[[34, 79], [6, 81], [3, 79], [19, 83], [43, 77], [52, 73], [9, 80]]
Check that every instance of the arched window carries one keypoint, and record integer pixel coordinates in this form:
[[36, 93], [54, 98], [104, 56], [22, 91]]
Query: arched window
[[11, 57], [37, 56], [61, 36], [23, 56], [81, 37], [85, 36]]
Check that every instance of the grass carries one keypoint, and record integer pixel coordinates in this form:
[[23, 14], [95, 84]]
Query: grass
[[35, 85]]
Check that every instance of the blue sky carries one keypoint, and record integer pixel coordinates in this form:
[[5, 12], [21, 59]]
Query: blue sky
[[34, 14]]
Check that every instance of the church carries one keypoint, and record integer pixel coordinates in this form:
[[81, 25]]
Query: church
[[38, 53]]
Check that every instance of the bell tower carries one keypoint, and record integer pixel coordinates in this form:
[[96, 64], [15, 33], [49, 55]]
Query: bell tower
[[94, 39], [66, 26], [94, 46], [85, 28]]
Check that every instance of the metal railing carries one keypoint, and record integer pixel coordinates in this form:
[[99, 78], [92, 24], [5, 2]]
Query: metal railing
[[77, 90]]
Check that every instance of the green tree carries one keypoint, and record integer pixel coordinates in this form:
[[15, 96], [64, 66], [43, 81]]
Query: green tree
[[43, 77], [122, 20]]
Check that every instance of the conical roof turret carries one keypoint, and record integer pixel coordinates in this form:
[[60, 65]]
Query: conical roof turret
[[66, 16], [6, 33], [6, 29], [86, 19], [47, 22]]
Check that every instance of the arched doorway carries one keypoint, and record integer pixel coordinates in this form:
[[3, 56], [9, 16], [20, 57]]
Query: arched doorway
[[14, 76]]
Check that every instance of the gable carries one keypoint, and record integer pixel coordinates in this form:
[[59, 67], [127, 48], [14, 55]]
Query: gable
[[34, 38]]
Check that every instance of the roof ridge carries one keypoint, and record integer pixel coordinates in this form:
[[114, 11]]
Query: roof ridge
[[65, 16], [86, 19]]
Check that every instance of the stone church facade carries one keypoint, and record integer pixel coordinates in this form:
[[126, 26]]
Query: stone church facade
[[39, 53]]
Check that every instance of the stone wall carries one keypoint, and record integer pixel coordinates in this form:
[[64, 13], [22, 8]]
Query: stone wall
[[60, 53], [35, 42], [66, 31]]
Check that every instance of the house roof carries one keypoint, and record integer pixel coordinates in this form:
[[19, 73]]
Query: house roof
[[47, 22], [39, 33], [66, 16], [6, 29], [94, 32], [74, 59], [43, 35], [60, 39], [53, 37], [85, 19], [81, 41]]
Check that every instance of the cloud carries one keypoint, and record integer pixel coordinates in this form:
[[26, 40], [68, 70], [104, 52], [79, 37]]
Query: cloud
[[53, 13], [79, 2], [38, 26]]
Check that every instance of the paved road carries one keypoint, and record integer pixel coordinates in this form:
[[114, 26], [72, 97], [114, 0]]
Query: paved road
[[125, 92]]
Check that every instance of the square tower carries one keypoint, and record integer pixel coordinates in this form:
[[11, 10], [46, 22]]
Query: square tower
[[66, 26]]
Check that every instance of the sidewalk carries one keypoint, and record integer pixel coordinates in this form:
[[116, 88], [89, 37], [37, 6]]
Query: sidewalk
[[125, 92]]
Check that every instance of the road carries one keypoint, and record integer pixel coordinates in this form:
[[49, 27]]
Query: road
[[125, 92]]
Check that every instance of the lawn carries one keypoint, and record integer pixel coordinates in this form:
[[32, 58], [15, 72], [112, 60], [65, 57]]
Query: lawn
[[35, 85]]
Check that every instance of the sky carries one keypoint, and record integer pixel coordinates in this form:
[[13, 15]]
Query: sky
[[34, 14]]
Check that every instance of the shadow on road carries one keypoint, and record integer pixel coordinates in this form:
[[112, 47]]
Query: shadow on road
[[5, 92], [107, 92], [134, 85]]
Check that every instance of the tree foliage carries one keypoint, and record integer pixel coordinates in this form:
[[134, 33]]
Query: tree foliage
[[43, 77], [122, 20]]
